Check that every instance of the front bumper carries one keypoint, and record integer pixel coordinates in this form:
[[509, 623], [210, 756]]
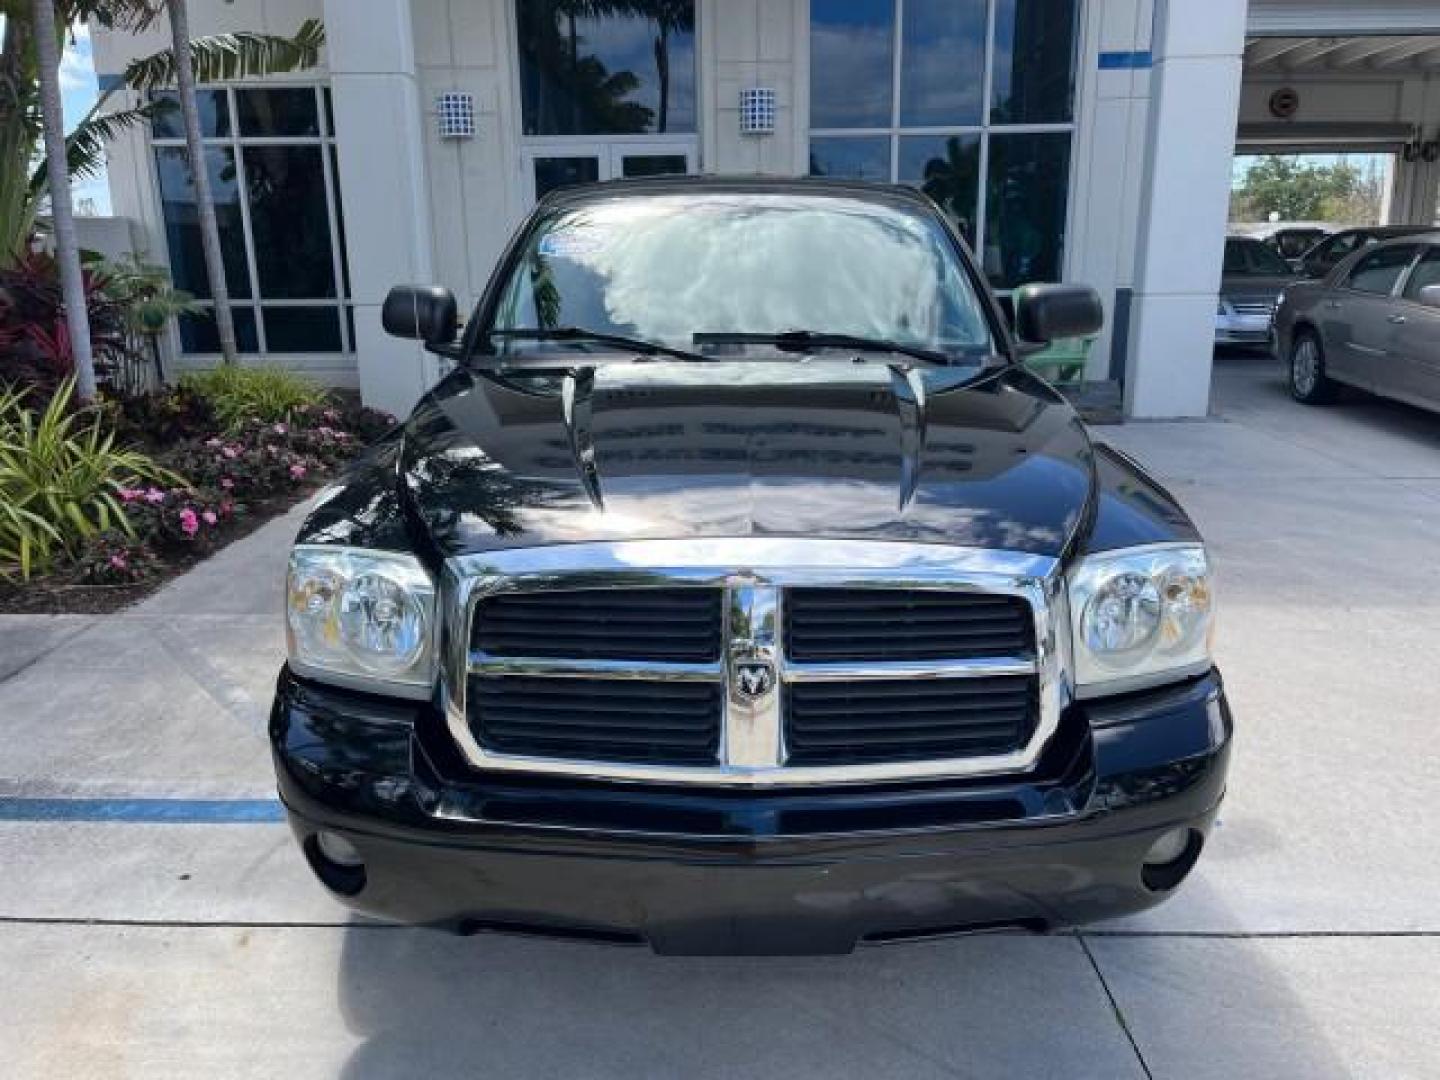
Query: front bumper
[[1242, 330], [748, 872]]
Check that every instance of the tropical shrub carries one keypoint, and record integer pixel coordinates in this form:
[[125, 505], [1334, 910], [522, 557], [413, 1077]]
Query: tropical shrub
[[35, 347], [242, 394], [114, 558], [260, 460], [161, 418], [178, 520], [61, 478]]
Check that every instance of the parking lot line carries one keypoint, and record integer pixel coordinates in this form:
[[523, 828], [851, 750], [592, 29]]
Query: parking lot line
[[144, 811]]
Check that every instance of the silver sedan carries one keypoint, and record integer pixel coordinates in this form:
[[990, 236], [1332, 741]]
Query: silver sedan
[[1253, 278], [1372, 323]]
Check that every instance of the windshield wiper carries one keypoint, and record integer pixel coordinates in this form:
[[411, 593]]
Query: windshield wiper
[[600, 337], [806, 340]]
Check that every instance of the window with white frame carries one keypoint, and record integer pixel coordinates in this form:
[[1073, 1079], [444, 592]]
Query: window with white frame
[[270, 156], [973, 101]]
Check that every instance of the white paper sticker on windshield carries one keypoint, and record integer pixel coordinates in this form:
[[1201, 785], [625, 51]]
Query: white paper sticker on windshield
[[571, 243]]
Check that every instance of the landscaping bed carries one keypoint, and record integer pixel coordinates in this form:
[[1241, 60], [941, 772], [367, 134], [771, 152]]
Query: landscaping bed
[[101, 505]]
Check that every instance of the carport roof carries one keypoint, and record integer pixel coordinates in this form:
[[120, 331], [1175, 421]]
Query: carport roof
[[1392, 54]]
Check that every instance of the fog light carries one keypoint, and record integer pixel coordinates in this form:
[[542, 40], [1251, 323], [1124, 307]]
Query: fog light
[[338, 850], [1170, 859], [336, 862], [1164, 851]]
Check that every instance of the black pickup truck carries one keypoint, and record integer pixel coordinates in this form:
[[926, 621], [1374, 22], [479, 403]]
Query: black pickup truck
[[740, 591]]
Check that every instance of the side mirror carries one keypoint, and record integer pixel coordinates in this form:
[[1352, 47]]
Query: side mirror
[[1430, 296], [425, 313], [1046, 313]]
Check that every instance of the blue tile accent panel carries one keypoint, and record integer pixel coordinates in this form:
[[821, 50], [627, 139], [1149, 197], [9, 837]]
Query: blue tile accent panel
[[1126, 61]]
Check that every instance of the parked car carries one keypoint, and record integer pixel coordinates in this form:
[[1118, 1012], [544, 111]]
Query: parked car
[[1374, 323], [1288, 239], [740, 591], [1330, 252], [1251, 283]]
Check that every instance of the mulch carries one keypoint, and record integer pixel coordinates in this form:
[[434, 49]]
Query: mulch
[[61, 594]]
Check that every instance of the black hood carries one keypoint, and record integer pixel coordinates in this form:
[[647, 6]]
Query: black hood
[[822, 449]]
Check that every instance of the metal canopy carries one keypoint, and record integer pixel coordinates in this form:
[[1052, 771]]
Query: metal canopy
[[1357, 55]]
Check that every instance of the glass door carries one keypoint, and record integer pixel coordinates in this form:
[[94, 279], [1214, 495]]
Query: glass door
[[630, 160], [565, 165], [552, 167]]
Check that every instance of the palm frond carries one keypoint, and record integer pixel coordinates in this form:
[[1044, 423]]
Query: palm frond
[[85, 147], [130, 15], [227, 57]]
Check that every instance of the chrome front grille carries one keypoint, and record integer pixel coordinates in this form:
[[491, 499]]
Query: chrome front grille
[[754, 662], [1254, 307]]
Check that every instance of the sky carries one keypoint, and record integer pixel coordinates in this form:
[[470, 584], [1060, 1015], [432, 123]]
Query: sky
[[77, 81]]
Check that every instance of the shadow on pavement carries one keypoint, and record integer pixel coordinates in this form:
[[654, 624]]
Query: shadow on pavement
[[423, 1002]]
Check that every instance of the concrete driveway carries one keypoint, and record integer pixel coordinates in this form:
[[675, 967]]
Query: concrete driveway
[[155, 921]]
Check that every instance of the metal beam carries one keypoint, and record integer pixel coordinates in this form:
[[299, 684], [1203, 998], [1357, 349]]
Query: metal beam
[[1402, 50], [1259, 53], [1342, 18], [1358, 50], [1315, 50]]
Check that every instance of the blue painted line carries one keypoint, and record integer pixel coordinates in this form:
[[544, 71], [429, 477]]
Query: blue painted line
[[144, 811], [1126, 61]]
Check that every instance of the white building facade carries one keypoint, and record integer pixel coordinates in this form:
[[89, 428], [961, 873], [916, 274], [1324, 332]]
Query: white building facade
[[1077, 140]]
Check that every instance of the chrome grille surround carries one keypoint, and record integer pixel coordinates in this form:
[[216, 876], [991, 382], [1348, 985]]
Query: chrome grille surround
[[755, 572]]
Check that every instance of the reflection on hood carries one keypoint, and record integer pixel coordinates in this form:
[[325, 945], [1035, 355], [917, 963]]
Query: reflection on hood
[[826, 449]]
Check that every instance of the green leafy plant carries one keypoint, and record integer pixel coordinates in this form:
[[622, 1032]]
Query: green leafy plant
[[239, 395], [61, 479], [144, 294]]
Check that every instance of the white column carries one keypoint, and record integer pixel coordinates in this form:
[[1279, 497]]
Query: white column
[[1195, 104], [380, 133]]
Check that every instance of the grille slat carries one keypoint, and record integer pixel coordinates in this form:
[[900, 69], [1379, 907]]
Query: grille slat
[[673, 624], [873, 722], [883, 624], [596, 719]]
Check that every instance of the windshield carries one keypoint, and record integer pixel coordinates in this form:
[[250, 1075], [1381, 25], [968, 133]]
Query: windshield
[[665, 268], [1251, 257]]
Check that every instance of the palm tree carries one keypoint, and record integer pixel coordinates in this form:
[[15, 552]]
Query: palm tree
[[48, 39], [199, 171], [27, 116]]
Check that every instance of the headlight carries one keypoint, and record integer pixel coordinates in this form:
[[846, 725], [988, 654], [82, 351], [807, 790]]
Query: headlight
[[1140, 617], [361, 618]]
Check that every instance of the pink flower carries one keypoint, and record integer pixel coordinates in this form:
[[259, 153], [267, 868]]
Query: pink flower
[[230, 453], [119, 562], [330, 416], [297, 472], [189, 522], [214, 444], [130, 495], [209, 518], [227, 483], [281, 429], [155, 496]]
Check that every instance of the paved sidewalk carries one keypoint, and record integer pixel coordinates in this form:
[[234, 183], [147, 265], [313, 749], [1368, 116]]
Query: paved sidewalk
[[1307, 946]]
